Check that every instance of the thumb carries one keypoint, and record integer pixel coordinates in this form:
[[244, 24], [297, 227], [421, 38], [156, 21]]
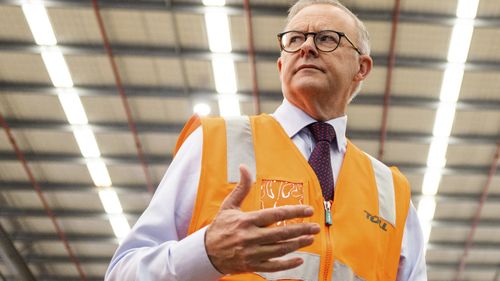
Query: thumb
[[236, 197]]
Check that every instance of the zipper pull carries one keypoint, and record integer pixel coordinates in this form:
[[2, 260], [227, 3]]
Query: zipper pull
[[328, 213]]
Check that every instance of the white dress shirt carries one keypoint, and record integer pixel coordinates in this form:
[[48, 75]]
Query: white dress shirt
[[158, 247]]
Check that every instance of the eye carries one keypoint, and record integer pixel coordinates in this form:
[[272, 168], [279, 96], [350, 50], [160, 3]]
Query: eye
[[295, 38], [327, 38]]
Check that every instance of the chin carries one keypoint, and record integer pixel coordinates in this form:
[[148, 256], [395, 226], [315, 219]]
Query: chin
[[311, 87]]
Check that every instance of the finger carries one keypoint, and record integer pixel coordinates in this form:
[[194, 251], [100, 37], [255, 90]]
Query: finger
[[278, 265], [236, 197], [277, 234], [280, 249], [269, 216]]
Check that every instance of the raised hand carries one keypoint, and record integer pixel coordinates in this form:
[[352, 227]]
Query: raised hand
[[238, 242]]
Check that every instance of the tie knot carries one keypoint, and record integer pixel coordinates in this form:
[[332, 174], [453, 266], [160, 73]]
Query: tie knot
[[322, 131]]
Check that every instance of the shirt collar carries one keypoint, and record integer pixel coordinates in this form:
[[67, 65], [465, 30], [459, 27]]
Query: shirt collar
[[293, 120]]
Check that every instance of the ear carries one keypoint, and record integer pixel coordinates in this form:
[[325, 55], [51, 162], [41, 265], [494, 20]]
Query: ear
[[280, 64], [365, 67]]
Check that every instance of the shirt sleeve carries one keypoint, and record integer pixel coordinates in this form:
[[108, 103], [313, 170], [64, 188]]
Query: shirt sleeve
[[158, 247], [412, 260]]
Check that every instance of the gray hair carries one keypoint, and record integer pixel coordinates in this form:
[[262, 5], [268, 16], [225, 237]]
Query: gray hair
[[363, 36]]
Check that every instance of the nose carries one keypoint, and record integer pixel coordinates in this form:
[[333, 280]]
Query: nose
[[308, 48]]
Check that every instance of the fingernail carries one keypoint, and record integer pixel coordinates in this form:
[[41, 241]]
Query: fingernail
[[299, 261], [315, 228], [308, 211]]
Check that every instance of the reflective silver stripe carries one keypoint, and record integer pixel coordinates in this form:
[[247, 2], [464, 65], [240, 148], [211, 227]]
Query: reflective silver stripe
[[342, 272], [308, 271], [239, 147], [385, 187]]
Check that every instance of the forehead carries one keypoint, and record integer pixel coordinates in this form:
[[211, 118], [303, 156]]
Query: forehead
[[322, 16]]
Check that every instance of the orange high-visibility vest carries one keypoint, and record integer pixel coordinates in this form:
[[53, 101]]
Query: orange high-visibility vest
[[368, 213]]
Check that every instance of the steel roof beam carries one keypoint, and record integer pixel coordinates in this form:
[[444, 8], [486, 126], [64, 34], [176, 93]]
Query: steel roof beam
[[262, 10], [73, 237], [32, 258], [435, 266], [68, 187], [60, 278], [128, 159], [464, 223], [175, 128], [107, 127], [375, 99], [13, 259], [453, 245], [456, 197], [205, 54], [62, 213]]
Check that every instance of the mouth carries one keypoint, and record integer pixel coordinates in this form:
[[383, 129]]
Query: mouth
[[309, 66]]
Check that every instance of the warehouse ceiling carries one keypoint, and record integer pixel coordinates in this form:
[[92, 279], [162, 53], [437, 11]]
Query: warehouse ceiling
[[139, 67]]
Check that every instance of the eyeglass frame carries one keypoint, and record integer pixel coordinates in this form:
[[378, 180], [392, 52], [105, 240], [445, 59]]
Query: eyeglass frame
[[306, 35]]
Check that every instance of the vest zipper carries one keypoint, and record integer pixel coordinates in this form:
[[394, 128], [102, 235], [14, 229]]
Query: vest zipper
[[328, 223], [328, 213]]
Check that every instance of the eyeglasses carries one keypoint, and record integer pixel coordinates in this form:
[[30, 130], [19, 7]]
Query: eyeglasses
[[324, 40]]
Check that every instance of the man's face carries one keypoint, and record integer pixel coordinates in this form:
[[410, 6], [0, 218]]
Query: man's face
[[320, 83]]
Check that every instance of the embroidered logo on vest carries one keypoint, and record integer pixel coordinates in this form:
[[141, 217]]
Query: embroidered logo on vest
[[376, 220], [276, 193]]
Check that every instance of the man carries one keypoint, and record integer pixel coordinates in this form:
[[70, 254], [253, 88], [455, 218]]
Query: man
[[342, 216]]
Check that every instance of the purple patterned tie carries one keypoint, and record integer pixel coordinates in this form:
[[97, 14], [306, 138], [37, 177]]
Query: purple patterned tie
[[319, 160]]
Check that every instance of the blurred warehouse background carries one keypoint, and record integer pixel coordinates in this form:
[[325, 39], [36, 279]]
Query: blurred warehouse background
[[93, 95]]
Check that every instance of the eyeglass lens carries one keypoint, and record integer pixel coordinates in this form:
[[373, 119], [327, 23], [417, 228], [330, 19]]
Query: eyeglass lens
[[324, 40]]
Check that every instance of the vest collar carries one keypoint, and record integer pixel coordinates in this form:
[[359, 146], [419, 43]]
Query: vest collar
[[293, 120]]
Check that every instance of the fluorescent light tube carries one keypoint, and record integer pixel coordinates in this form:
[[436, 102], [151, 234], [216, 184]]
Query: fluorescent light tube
[[202, 109], [72, 106], [86, 141], [214, 2], [426, 208], [452, 82], [458, 51], [437, 153], [229, 105], [460, 41], [110, 201], [467, 9], [39, 23], [426, 232], [56, 67], [432, 179], [99, 172], [120, 226], [224, 74], [217, 23], [444, 120]]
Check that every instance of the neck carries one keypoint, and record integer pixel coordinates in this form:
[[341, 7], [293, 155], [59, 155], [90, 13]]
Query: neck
[[320, 112]]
